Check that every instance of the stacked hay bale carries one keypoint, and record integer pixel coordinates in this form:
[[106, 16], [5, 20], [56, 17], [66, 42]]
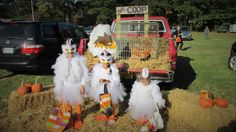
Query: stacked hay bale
[[30, 113], [19, 104], [27, 113], [186, 115], [159, 60]]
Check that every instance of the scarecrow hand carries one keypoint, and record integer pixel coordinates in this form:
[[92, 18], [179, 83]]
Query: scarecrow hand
[[82, 89]]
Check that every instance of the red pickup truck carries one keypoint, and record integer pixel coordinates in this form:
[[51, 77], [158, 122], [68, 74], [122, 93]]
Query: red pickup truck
[[138, 48]]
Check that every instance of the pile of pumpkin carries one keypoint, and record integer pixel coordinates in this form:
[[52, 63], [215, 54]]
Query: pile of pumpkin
[[27, 87], [207, 100]]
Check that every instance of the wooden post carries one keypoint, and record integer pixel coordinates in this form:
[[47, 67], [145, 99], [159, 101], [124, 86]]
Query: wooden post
[[118, 25], [146, 25]]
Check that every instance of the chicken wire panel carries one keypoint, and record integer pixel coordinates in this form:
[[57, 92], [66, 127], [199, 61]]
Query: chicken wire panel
[[132, 42], [137, 48]]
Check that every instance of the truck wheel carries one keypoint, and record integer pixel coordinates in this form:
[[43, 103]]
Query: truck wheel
[[232, 62]]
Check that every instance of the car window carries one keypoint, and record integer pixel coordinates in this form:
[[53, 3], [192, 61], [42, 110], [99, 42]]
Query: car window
[[79, 33], [69, 31], [17, 30], [184, 28], [48, 30]]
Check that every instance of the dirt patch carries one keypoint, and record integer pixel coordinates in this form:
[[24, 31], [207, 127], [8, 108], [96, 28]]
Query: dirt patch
[[182, 113]]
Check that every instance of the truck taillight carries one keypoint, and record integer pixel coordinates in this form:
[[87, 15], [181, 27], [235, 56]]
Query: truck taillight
[[31, 49]]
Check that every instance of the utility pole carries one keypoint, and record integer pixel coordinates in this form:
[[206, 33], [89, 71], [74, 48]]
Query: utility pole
[[32, 9]]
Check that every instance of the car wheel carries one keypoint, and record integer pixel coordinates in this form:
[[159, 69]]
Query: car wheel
[[232, 62]]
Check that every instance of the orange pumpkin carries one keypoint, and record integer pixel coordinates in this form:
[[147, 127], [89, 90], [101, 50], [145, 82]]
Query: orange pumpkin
[[22, 90], [206, 102], [36, 87], [221, 102]]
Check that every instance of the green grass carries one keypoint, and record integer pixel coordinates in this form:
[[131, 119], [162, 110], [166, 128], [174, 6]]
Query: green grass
[[203, 65], [208, 65]]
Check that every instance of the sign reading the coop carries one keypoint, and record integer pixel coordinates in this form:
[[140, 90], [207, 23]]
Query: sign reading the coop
[[132, 10]]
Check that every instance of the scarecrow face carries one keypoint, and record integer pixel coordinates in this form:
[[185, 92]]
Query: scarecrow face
[[105, 58]]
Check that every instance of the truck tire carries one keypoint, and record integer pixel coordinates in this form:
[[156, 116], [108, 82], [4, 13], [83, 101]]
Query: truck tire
[[232, 62]]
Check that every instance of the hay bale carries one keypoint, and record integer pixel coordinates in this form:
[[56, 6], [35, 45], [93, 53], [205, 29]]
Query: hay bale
[[36, 119], [186, 115], [91, 109], [18, 104], [29, 120]]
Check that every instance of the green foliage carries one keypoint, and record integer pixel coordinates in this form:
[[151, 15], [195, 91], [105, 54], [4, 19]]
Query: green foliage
[[196, 13], [104, 11]]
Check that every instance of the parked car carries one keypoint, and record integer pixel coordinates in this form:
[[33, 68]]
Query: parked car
[[232, 57], [34, 46], [88, 29], [222, 29], [186, 33]]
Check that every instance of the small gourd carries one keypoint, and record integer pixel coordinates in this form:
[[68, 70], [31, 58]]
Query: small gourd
[[22, 90], [36, 87], [206, 102], [221, 102], [206, 99]]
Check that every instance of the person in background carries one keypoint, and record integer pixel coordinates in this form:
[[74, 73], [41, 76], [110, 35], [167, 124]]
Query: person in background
[[206, 31], [179, 42]]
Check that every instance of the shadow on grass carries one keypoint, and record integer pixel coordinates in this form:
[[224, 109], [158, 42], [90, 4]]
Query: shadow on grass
[[186, 48], [184, 74]]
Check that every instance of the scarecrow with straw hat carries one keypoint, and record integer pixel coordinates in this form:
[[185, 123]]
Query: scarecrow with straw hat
[[105, 84], [70, 80]]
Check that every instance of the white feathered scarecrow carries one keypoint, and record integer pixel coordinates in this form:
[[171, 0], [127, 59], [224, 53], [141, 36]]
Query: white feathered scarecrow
[[70, 79], [106, 73], [100, 39], [145, 99]]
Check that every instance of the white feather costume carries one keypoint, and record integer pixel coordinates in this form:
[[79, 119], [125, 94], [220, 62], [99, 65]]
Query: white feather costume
[[115, 88], [70, 74], [144, 100]]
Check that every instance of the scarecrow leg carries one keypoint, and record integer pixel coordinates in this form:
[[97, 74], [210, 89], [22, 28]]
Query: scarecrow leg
[[78, 122]]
